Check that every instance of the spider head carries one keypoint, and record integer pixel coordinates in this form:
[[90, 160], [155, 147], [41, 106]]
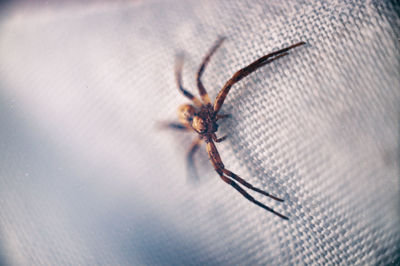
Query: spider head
[[186, 114], [199, 124]]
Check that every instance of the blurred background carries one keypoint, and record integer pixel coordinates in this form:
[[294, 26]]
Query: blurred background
[[87, 178]]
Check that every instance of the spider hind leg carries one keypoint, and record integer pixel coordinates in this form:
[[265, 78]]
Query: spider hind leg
[[220, 169], [248, 185], [249, 197]]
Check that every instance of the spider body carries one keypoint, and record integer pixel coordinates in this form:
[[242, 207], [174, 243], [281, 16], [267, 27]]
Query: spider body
[[201, 116], [202, 121]]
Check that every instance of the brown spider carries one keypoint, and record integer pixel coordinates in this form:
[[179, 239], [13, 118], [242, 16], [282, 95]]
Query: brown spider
[[202, 117]]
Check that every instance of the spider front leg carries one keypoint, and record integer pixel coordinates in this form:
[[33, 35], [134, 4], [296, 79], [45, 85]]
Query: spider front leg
[[178, 77], [202, 90], [266, 59], [220, 169]]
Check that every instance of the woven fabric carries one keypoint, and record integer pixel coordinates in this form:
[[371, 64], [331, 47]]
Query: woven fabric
[[87, 178]]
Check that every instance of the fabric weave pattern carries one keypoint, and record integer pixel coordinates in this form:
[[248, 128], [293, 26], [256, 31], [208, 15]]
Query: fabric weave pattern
[[86, 177]]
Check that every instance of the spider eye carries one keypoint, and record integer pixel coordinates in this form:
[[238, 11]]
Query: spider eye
[[186, 113]]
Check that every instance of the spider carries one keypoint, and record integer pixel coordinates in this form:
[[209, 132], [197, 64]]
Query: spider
[[201, 116]]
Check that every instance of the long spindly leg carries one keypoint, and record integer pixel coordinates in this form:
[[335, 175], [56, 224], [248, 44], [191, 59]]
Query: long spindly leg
[[202, 90], [250, 198], [190, 162], [248, 185], [178, 77], [219, 168], [247, 70]]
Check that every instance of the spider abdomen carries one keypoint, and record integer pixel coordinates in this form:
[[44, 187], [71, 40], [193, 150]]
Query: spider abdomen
[[186, 114]]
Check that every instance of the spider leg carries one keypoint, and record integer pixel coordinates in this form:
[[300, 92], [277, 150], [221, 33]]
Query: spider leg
[[190, 162], [178, 77], [173, 125], [266, 59], [202, 90], [248, 185], [220, 169], [214, 137], [250, 198], [222, 116]]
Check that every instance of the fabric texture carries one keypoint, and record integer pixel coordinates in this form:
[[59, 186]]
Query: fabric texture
[[87, 178]]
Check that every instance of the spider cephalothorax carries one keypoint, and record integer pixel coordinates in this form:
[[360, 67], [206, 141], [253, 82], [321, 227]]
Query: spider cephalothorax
[[202, 117], [202, 120]]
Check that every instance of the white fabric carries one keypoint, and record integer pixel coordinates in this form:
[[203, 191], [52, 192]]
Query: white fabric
[[87, 178]]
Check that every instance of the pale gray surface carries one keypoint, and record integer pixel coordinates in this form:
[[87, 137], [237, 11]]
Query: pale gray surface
[[87, 179]]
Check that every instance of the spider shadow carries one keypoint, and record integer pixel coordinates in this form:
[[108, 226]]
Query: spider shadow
[[199, 171]]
